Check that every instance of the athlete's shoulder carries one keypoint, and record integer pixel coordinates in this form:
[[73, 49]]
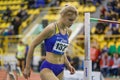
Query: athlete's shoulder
[[51, 27]]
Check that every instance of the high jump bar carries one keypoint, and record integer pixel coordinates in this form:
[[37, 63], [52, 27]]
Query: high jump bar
[[103, 20]]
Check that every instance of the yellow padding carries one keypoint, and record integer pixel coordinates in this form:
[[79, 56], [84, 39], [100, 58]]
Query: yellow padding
[[1, 51], [93, 29], [117, 44], [1, 59], [103, 44], [4, 25], [74, 3], [111, 43]]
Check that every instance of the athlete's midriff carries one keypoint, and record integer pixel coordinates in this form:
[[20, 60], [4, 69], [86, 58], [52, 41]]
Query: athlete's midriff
[[54, 58]]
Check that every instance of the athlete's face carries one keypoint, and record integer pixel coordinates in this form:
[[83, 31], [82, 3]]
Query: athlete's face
[[69, 18]]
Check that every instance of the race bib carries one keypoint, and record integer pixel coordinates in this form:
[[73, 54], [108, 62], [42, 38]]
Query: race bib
[[60, 46]]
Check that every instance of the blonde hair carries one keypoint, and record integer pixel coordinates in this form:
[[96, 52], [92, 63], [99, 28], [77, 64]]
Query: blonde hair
[[68, 8]]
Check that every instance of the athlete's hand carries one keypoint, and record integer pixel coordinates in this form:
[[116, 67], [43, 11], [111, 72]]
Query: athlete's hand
[[26, 73], [71, 69]]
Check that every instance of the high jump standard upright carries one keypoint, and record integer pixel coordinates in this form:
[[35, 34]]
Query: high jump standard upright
[[87, 61]]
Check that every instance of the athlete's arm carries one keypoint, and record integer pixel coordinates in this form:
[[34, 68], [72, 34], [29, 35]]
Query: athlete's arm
[[69, 66], [66, 60], [67, 63], [47, 32]]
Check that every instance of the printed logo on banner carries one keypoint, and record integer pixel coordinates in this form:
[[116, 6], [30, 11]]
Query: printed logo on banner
[[93, 77], [86, 72]]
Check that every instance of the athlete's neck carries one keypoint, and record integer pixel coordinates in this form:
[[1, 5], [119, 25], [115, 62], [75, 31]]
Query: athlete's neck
[[61, 25]]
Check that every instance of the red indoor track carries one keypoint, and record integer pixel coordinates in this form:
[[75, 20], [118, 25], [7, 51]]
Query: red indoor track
[[34, 76]]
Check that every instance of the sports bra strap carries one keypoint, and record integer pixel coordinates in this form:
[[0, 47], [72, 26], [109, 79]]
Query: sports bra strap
[[68, 32], [57, 29]]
